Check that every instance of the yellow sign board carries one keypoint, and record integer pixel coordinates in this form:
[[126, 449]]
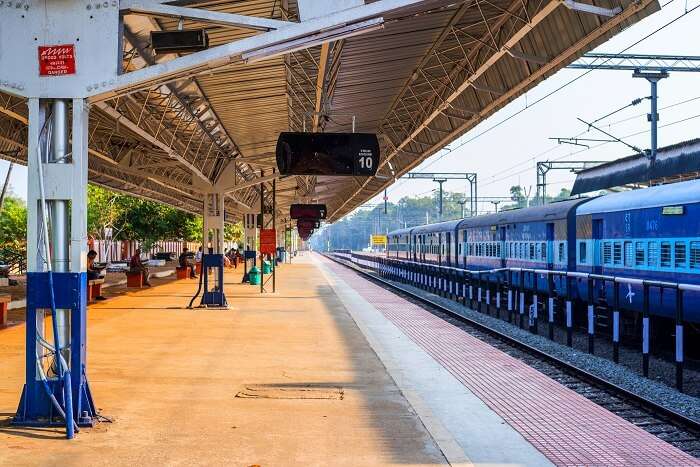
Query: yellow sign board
[[377, 240]]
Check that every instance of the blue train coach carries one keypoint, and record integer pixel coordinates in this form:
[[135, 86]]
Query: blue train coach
[[651, 234]]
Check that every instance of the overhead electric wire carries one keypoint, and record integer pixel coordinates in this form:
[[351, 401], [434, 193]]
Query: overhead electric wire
[[595, 147], [530, 159], [566, 84]]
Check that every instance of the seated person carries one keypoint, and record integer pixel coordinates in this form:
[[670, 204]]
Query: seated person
[[135, 265], [94, 272], [186, 260]]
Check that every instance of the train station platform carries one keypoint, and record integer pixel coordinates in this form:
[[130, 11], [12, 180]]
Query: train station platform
[[329, 370]]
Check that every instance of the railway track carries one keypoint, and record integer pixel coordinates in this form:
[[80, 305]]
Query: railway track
[[664, 423]]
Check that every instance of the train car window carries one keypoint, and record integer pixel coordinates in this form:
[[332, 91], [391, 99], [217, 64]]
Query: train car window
[[629, 254], [543, 251], [652, 254], [665, 254], [607, 253], [582, 252], [617, 253], [694, 255], [562, 252], [532, 251], [679, 255], [498, 250], [639, 254]]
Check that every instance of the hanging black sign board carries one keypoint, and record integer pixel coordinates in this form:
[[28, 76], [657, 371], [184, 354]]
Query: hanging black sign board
[[309, 211], [332, 154]]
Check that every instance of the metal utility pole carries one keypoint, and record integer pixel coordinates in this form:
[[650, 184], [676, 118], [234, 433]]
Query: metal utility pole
[[6, 184], [440, 181], [262, 226], [437, 177], [651, 67], [274, 226], [653, 117], [545, 166], [462, 202]]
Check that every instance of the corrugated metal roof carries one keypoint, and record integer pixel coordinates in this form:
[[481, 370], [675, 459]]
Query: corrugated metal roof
[[433, 72], [673, 163]]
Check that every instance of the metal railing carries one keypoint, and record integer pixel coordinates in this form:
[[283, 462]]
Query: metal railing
[[517, 284]]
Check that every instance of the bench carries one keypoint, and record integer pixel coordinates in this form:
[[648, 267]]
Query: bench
[[182, 272], [134, 279], [94, 289], [4, 302]]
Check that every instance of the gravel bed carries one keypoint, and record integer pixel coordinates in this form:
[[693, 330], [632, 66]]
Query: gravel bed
[[618, 374]]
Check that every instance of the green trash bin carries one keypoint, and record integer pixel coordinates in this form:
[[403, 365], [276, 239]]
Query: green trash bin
[[267, 267], [254, 276]]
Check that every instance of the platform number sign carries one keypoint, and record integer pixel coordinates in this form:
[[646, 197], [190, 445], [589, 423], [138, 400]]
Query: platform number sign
[[364, 164]]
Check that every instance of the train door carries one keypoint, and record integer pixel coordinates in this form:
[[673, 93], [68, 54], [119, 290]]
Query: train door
[[597, 237], [550, 245], [448, 250], [502, 243]]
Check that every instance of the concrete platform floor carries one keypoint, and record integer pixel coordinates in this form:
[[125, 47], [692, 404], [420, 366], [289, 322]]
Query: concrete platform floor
[[169, 378]]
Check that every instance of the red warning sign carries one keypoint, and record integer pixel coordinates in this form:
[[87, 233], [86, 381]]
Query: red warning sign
[[57, 60], [268, 241]]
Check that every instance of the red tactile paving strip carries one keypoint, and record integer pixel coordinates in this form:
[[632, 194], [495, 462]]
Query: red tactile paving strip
[[566, 427]]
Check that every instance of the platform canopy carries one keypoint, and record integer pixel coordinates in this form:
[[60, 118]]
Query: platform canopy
[[675, 163], [418, 73]]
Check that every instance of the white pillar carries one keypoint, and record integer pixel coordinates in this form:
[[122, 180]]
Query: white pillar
[[250, 232], [213, 223], [72, 165]]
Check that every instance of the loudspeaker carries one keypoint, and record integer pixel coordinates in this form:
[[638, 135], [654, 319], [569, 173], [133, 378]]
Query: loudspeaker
[[180, 41]]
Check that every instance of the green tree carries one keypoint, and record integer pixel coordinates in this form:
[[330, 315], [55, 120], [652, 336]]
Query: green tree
[[13, 222], [234, 233], [104, 211], [564, 193]]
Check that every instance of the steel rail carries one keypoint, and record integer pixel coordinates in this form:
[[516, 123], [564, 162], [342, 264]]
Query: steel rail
[[641, 401]]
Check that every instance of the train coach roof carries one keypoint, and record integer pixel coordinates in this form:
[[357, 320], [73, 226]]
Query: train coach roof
[[548, 212], [657, 196], [447, 226], [401, 231]]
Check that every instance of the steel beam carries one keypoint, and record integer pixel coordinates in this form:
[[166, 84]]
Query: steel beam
[[145, 7], [132, 126], [216, 57], [565, 56]]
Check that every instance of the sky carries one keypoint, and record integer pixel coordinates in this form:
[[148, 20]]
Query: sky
[[506, 155]]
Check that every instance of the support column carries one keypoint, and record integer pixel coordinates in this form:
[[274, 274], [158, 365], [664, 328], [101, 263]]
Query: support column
[[56, 390], [250, 239], [213, 250]]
